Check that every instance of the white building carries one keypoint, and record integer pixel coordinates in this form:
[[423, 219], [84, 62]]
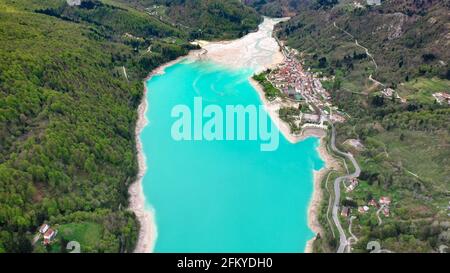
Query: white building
[[74, 2], [374, 2], [43, 229]]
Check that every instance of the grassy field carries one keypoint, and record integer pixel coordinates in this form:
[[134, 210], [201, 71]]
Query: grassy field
[[87, 234], [422, 89], [423, 154]]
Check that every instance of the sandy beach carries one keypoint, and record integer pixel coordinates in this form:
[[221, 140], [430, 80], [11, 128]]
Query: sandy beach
[[330, 162], [257, 51], [314, 206], [145, 215]]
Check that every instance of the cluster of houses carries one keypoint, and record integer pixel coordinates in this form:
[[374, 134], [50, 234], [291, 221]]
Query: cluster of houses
[[442, 98], [383, 205], [48, 233], [385, 202], [301, 85], [294, 81]]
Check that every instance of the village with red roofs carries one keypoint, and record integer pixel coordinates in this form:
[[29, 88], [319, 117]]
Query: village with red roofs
[[304, 87]]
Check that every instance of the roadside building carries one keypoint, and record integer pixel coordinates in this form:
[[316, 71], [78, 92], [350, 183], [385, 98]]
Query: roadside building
[[345, 212], [353, 184]]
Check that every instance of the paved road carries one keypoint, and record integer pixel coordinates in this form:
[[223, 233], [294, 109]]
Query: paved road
[[380, 221], [329, 205], [337, 191], [353, 237]]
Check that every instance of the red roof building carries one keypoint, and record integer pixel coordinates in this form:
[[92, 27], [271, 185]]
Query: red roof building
[[345, 211], [48, 236]]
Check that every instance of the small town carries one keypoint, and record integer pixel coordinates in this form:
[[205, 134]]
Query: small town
[[303, 87]]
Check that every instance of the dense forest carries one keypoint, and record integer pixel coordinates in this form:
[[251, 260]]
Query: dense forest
[[70, 83], [71, 80], [400, 46], [277, 8], [203, 19]]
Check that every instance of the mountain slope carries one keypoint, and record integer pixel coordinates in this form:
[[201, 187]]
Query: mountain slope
[[205, 19], [70, 83], [406, 41], [278, 8], [366, 52]]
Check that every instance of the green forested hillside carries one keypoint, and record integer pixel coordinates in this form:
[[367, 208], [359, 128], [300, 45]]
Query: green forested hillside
[[278, 8], [406, 41], [406, 138], [67, 118], [203, 19]]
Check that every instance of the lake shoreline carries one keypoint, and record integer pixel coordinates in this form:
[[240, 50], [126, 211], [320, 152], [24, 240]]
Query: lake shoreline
[[330, 162], [148, 231], [146, 216]]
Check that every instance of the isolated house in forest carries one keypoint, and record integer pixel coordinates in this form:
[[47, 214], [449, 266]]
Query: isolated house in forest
[[49, 235]]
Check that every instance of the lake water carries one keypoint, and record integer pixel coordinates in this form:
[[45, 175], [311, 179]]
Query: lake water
[[222, 196]]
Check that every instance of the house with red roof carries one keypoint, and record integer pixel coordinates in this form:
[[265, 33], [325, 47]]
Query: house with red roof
[[49, 235], [345, 212]]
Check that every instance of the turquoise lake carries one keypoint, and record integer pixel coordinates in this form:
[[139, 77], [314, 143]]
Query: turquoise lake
[[222, 196]]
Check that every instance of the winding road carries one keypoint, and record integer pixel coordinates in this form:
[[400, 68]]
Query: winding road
[[358, 45], [343, 242]]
